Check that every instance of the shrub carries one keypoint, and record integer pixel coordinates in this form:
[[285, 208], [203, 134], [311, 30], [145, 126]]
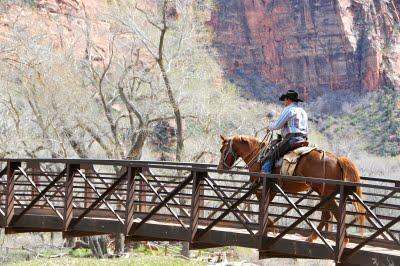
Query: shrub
[[375, 123], [80, 253]]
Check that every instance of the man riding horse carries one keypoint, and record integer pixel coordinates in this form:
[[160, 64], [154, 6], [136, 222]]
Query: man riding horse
[[293, 122], [315, 163]]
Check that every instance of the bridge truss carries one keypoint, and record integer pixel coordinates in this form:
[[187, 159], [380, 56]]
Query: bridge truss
[[167, 201]]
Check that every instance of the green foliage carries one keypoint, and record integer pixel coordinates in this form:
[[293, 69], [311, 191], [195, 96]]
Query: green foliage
[[80, 253], [142, 249], [380, 122], [29, 2], [377, 123]]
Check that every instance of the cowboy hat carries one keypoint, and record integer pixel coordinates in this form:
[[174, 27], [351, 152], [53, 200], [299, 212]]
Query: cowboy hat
[[292, 95]]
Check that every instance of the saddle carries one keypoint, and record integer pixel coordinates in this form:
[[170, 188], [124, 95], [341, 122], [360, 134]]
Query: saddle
[[289, 161]]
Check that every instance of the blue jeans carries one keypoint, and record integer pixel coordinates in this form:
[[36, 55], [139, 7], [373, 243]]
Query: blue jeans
[[267, 166], [269, 163]]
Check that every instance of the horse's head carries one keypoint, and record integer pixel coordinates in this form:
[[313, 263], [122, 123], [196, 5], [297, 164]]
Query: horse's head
[[232, 148], [228, 153], [243, 146]]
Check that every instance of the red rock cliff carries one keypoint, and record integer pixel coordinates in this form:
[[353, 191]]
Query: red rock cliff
[[346, 44]]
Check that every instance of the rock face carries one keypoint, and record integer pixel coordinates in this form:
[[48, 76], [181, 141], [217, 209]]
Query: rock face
[[309, 44]]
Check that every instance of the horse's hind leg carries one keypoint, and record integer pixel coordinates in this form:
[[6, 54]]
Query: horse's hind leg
[[331, 206], [325, 217], [335, 211], [328, 226]]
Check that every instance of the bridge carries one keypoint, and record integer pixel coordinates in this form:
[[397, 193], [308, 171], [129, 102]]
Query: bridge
[[167, 201]]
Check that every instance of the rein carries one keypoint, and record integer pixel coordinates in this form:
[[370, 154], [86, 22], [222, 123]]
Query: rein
[[253, 160], [235, 156]]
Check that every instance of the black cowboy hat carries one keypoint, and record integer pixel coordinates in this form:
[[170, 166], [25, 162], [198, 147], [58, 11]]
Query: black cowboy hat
[[292, 95]]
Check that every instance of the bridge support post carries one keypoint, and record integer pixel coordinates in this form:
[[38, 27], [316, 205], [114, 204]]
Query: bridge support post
[[35, 167], [87, 192], [197, 202], [263, 216], [11, 167], [142, 192], [68, 206], [130, 207], [341, 224]]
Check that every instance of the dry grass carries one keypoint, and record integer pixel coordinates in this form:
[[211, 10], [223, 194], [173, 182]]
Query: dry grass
[[134, 260]]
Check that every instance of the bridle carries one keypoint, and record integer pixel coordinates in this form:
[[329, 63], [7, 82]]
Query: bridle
[[235, 156], [231, 152]]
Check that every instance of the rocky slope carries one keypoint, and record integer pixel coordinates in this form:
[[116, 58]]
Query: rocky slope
[[309, 44]]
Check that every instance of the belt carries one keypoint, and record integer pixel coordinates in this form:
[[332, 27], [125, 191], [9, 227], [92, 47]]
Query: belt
[[294, 135]]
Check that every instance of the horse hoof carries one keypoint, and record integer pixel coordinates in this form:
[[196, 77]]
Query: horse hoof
[[311, 238]]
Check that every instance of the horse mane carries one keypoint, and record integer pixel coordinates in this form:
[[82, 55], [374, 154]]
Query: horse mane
[[249, 140], [244, 137]]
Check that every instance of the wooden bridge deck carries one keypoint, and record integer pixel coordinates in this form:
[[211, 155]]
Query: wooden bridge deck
[[190, 202]]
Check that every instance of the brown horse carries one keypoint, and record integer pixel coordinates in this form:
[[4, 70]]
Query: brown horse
[[314, 164]]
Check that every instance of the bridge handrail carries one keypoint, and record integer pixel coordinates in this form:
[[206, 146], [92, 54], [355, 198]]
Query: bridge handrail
[[211, 168]]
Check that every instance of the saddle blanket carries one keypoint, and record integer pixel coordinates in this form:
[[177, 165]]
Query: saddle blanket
[[289, 161]]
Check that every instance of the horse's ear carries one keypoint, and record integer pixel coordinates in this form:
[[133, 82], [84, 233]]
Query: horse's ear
[[223, 138]]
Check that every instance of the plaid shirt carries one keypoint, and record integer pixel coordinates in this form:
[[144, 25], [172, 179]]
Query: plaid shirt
[[293, 119]]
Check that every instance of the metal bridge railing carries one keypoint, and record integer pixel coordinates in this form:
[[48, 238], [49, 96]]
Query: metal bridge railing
[[191, 202]]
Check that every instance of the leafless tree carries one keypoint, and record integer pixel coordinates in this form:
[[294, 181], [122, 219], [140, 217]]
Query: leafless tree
[[99, 91]]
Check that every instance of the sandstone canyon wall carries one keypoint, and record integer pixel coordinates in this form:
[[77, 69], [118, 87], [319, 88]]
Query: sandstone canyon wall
[[272, 45], [309, 44]]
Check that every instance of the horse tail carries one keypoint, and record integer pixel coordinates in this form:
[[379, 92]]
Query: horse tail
[[351, 173]]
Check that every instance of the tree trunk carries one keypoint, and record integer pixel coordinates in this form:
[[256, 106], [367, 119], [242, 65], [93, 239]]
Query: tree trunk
[[173, 102], [69, 242], [98, 246], [103, 245], [185, 245], [119, 244], [185, 250]]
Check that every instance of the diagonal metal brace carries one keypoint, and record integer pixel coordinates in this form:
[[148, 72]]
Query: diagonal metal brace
[[98, 194], [157, 180], [302, 218], [38, 190], [371, 237], [254, 187], [41, 194], [161, 199], [105, 183], [235, 210], [162, 203], [97, 201], [380, 224], [301, 215], [231, 197], [58, 190], [281, 215], [378, 203], [244, 216]]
